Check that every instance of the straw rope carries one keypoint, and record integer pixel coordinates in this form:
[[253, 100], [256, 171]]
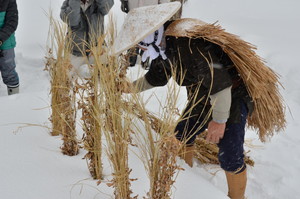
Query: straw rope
[[262, 82]]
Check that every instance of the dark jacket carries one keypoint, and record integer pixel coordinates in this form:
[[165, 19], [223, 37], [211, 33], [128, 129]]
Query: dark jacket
[[85, 25], [8, 23], [191, 57]]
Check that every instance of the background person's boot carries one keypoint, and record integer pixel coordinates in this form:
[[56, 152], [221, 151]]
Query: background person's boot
[[12, 90], [236, 184]]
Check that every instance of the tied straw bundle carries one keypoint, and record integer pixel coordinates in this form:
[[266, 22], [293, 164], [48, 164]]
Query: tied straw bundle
[[205, 152], [261, 82], [58, 64]]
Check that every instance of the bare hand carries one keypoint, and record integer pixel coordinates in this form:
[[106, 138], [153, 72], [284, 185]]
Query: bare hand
[[215, 132]]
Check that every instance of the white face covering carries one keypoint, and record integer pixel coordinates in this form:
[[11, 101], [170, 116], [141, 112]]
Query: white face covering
[[152, 44]]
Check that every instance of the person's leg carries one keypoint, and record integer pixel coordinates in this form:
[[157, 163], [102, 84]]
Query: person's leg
[[231, 157], [187, 154], [186, 132], [237, 183], [193, 122], [8, 71]]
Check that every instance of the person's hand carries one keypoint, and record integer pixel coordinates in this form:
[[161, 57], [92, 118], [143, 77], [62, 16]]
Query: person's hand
[[215, 132]]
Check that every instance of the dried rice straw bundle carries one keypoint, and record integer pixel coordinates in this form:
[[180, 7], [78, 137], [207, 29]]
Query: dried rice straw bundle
[[159, 149], [155, 123], [169, 148], [63, 98], [91, 125], [262, 83], [116, 129], [115, 119], [207, 153], [91, 107]]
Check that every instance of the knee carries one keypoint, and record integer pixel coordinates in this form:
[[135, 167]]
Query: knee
[[186, 131], [232, 161], [236, 170]]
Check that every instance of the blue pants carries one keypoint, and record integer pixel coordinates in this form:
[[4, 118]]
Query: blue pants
[[8, 68], [231, 146]]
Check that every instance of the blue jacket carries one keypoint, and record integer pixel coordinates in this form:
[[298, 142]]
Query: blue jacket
[[8, 23], [87, 24]]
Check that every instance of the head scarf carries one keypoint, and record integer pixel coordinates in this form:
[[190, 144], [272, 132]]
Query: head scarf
[[152, 44]]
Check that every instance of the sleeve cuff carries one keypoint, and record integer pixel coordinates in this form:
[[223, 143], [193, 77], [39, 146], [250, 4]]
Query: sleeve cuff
[[220, 121], [221, 102]]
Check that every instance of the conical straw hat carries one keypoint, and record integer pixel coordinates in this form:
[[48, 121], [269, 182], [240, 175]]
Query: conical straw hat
[[141, 22]]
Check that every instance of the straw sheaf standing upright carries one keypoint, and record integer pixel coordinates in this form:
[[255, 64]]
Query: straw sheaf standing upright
[[262, 83], [115, 119], [116, 128], [63, 97], [159, 149], [91, 125]]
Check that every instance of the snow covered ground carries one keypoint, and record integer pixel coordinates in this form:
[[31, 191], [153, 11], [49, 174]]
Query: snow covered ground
[[32, 167]]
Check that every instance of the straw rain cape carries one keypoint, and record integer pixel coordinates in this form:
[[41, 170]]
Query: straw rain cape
[[262, 82]]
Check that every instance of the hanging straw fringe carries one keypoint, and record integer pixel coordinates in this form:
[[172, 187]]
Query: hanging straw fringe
[[262, 82]]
